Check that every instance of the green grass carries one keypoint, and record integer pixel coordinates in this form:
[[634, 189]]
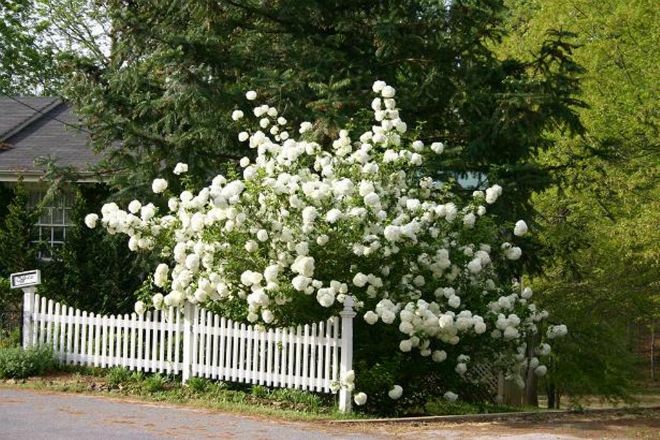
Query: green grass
[[442, 407], [198, 392]]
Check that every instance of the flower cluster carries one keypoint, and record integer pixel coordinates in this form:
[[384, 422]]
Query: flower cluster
[[306, 224]]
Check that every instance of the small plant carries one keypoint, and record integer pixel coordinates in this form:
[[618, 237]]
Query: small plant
[[298, 398], [117, 376], [154, 383], [259, 391], [198, 384], [18, 363]]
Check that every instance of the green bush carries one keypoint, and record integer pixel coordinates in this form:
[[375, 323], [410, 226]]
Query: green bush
[[154, 383], [198, 384], [118, 376], [18, 363]]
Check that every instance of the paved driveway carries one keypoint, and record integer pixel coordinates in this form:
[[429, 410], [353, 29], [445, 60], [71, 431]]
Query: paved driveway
[[35, 415], [38, 415]]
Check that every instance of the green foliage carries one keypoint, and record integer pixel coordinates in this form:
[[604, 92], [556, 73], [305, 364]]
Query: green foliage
[[442, 407], [198, 384], [18, 363], [10, 338], [175, 75], [154, 383], [16, 251], [599, 223], [118, 376], [27, 63], [92, 271]]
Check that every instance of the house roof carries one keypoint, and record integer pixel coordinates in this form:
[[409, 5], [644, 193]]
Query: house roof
[[40, 127]]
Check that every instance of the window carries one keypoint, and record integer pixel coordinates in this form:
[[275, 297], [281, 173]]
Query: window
[[55, 218]]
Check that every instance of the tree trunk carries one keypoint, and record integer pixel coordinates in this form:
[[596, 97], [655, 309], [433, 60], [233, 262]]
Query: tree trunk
[[550, 390], [531, 394], [653, 351]]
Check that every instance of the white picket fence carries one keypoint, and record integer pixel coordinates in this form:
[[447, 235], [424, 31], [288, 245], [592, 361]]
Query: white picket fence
[[196, 342]]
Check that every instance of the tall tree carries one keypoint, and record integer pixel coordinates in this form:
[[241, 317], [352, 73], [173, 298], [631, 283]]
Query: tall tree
[[600, 219], [26, 65], [178, 69]]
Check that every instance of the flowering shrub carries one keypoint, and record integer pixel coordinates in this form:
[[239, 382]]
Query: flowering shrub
[[305, 225]]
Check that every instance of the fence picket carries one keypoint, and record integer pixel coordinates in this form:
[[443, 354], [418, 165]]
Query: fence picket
[[234, 352], [162, 341], [111, 322], [241, 373], [75, 359], [68, 336], [170, 337], [326, 367], [140, 343], [177, 340], [213, 332], [277, 348], [222, 371], [83, 339], [154, 341]]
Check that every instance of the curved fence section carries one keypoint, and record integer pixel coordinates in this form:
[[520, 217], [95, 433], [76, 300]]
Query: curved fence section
[[196, 342]]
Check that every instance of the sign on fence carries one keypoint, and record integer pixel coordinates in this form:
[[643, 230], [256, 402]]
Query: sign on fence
[[28, 278], [197, 342]]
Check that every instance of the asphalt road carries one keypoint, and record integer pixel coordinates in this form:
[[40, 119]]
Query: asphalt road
[[37, 415]]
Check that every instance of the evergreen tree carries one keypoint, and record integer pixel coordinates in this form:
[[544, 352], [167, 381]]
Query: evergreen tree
[[178, 69]]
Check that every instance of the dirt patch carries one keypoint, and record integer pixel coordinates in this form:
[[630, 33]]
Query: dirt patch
[[644, 424]]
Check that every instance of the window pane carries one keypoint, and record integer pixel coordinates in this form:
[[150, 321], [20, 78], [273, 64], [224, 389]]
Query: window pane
[[58, 216], [58, 234]]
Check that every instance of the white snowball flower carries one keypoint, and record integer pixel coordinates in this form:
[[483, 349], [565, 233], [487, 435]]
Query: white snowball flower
[[251, 95], [541, 370], [493, 193], [520, 229], [159, 185], [370, 317], [305, 127], [395, 392], [360, 399], [180, 168], [454, 301], [262, 235], [360, 279], [439, 356], [513, 253], [450, 396], [333, 215], [437, 147], [236, 115], [267, 316], [405, 345], [388, 92], [243, 136], [140, 308], [251, 246], [378, 86], [91, 220], [134, 206]]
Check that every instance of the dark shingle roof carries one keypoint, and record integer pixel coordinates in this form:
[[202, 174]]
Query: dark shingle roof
[[39, 127]]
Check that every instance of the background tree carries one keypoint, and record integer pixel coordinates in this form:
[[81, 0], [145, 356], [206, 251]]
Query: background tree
[[27, 66], [177, 70], [599, 221]]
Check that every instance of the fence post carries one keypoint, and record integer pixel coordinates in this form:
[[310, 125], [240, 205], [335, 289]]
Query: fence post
[[346, 360], [28, 307], [188, 312]]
